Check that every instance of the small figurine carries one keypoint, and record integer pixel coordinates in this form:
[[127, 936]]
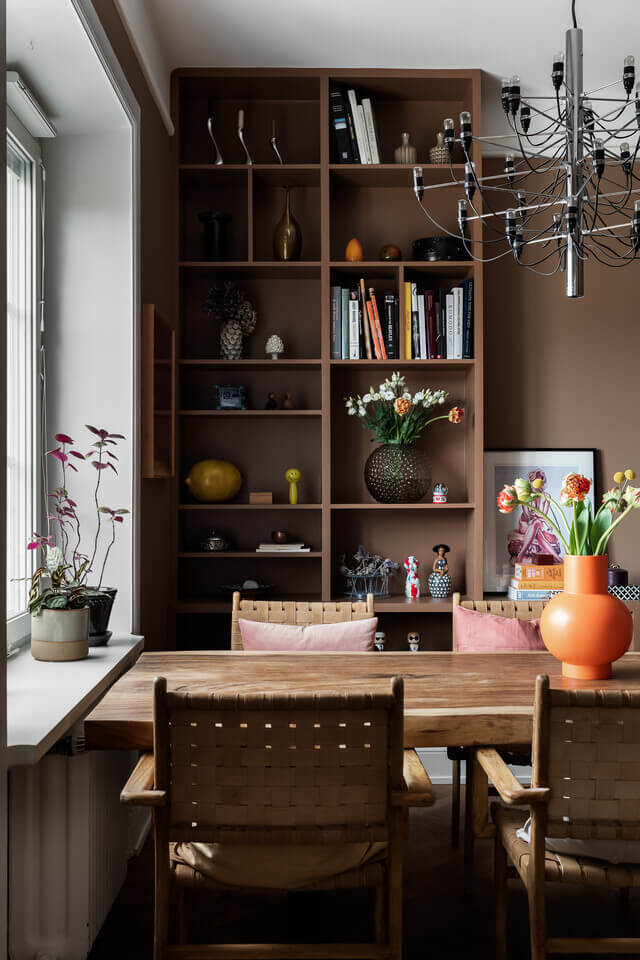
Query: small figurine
[[413, 639], [241, 137], [406, 152], [379, 641], [440, 491], [412, 584], [274, 142], [390, 252], [272, 402], [287, 403], [274, 346], [292, 476], [231, 398], [218, 160], [439, 579], [353, 251], [439, 153]]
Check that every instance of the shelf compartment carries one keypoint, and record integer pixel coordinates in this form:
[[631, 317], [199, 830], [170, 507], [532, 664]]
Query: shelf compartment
[[245, 554], [258, 269], [201, 581], [227, 192], [268, 208], [198, 388]]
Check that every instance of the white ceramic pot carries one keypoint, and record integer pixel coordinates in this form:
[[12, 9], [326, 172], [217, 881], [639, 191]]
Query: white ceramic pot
[[60, 634]]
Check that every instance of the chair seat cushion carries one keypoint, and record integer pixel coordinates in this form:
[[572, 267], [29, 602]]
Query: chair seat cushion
[[275, 867], [561, 867], [353, 635], [477, 632]]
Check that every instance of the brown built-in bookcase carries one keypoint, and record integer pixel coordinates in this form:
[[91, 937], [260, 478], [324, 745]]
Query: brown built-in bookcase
[[332, 203]]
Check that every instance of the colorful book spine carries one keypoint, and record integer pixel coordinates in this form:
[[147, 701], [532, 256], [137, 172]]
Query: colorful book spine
[[390, 325], [374, 333], [536, 584], [354, 325], [457, 322], [430, 306], [345, 323], [450, 326], [378, 325], [340, 126], [407, 321], [532, 594], [365, 324], [422, 326], [372, 133], [441, 350], [336, 323], [467, 346], [360, 128], [534, 571], [415, 323]]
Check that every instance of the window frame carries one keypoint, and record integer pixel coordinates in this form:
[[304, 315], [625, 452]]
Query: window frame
[[19, 626]]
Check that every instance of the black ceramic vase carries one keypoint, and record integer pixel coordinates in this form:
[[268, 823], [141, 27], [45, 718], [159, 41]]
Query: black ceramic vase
[[100, 603], [396, 473]]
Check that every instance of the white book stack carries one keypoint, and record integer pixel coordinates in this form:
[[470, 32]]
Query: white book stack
[[282, 548]]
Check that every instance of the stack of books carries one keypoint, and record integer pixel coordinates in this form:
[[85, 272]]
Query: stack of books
[[362, 328], [282, 548], [438, 324], [533, 581], [354, 126]]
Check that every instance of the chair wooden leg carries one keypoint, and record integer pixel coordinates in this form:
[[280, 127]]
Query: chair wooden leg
[[455, 803], [468, 830], [379, 918], [183, 918], [535, 887], [161, 893], [500, 879]]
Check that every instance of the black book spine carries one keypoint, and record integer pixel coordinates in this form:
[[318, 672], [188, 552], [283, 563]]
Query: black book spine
[[340, 124], [355, 152], [390, 326]]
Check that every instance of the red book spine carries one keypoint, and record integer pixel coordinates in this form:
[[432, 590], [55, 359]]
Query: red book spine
[[378, 326], [431, 324], [374, 335]]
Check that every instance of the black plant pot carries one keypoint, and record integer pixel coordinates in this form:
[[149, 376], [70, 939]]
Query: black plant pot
[[395, 473], [100, 605]]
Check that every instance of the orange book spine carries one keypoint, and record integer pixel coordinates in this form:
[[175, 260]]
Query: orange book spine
[[374, 335], [376, 317], [532, 571], [407, 321], [367, 338]]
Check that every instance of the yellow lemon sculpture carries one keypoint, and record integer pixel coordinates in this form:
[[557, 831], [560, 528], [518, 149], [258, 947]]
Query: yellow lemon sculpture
[[214, 481]]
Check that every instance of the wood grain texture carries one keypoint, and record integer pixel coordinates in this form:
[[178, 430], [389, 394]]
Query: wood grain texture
[[450, 699]]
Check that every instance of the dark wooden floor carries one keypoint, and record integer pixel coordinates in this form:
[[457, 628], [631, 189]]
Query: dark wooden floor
[[437, 923]]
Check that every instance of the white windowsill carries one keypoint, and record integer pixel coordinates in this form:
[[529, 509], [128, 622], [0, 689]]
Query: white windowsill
[[44, 699]]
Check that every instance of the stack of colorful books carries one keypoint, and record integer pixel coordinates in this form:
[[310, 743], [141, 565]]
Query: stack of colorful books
[[533, 581]]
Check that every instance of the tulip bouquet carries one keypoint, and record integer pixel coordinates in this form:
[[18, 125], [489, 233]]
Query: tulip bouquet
[[586, 533]]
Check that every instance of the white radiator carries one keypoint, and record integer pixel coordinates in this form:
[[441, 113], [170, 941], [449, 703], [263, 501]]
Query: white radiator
[[69, 842]]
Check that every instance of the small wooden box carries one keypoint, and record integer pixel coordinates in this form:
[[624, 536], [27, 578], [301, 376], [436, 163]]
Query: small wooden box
[[260, 497]]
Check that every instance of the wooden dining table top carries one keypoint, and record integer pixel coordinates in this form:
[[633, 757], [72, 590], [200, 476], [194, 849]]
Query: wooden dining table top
[[451, 699]]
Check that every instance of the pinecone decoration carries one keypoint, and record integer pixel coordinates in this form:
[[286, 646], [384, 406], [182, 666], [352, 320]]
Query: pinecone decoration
[[231, 340]]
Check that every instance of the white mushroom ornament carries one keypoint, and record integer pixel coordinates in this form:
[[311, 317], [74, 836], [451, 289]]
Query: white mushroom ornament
[[274, 346]]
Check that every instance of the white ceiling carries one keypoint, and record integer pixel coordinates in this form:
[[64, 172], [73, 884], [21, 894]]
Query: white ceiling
[[502, 37]]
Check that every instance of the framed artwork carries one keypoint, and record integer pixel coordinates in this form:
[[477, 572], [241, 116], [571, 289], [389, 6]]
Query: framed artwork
[[515, 537]]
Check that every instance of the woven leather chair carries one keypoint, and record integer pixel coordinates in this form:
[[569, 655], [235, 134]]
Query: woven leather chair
[[585, 785], [280, 768], [295, 613]]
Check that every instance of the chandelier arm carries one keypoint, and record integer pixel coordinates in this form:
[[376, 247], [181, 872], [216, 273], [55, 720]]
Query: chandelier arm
[[543, 113], [605, 86], [544, 273]]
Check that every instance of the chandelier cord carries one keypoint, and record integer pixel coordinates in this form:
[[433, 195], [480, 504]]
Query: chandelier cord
[[573, 13]]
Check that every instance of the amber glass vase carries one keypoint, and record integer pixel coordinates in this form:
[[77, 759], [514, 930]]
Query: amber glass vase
[[287, 237]]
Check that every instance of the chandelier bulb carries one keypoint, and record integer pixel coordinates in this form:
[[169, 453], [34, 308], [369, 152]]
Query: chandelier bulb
[[587, 114], [505, 94], [638, 104], [571, 215], [525, 117], [518, 241], [557, 72], [449, 135], [509, 168], [510, 225], [629, 74], [469, 180], [557, 228], [462, 217], [514, 95], [598, 158], [522, 203], [635, 227], [465, 130], [418, 183], [625, 158]]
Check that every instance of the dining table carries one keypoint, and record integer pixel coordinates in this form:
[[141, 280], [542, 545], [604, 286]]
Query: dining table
[[450, 699]]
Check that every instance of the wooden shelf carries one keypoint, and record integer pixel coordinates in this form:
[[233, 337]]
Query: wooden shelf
[[427, 364], [289, 364], [394, 174], [249, 414], [249, 554], [250, 506], [403, 506], [400, 604], [379, 268], [261, 269]]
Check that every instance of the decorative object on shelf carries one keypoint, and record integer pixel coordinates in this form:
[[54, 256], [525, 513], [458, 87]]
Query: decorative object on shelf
[[413, 641], [231, 397], [440, 492], [218, 159], [439, 579], [261, 497], [287, 402], [292, 476], [390, 252], [370, 574], [59, 586], [274, 346], [406, 152], [214, 481], [353, 251], [584, 626], [396, 472], [214, 543], [379, 641], [436, 249], [524, 536], [412, 583], [287, 236], [279, 536], [241, 137], [272, 401], [235, 313], [585, 190], [439, 153], [274, 142], [617, 577], [250, 589], [214, 239]]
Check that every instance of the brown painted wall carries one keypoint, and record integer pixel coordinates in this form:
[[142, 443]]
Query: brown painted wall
[[566, 373], [155, 180]]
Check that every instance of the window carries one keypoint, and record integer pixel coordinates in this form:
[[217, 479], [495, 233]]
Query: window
[[22, 358]]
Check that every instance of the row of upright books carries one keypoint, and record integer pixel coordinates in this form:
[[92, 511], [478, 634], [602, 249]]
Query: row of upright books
[[362, 329], [536, 581], [354, 126], [438, 324]]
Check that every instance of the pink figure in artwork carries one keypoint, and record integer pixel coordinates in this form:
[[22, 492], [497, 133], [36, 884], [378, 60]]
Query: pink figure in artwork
[[412, 584], [532, 534]]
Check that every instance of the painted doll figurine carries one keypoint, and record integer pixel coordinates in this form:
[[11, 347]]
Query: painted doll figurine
[[292, 476], [412, 583], [439, 579]]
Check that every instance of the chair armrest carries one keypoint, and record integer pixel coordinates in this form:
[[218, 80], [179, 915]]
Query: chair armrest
[[138, 790], [506, 783], [418, 789]]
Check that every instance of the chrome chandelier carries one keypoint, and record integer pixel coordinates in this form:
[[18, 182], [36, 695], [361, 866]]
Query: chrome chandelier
[[567, 193]]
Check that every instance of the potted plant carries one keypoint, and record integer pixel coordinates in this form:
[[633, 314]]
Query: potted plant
[[583, 626], [70, 579], [396, 471]]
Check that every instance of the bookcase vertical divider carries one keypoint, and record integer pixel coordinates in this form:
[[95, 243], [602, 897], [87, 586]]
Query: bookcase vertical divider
[[250, 216], [325, 372]]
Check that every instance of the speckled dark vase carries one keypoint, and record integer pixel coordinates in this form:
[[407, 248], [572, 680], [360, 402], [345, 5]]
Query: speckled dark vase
[[395, 473]]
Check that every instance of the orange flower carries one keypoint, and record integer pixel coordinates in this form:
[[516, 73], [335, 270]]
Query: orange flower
[[575, 487], [456, 414], [402, 406], [507, 499]]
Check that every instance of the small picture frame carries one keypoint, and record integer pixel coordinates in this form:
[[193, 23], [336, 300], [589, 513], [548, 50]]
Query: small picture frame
[[231, 397], [516, 537]]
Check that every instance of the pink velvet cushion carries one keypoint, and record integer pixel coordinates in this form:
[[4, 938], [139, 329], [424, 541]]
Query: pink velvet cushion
[[477, 632], [354, 635]]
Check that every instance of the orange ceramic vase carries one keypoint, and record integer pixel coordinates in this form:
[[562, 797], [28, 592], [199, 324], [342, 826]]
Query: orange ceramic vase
[[585, 627]]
